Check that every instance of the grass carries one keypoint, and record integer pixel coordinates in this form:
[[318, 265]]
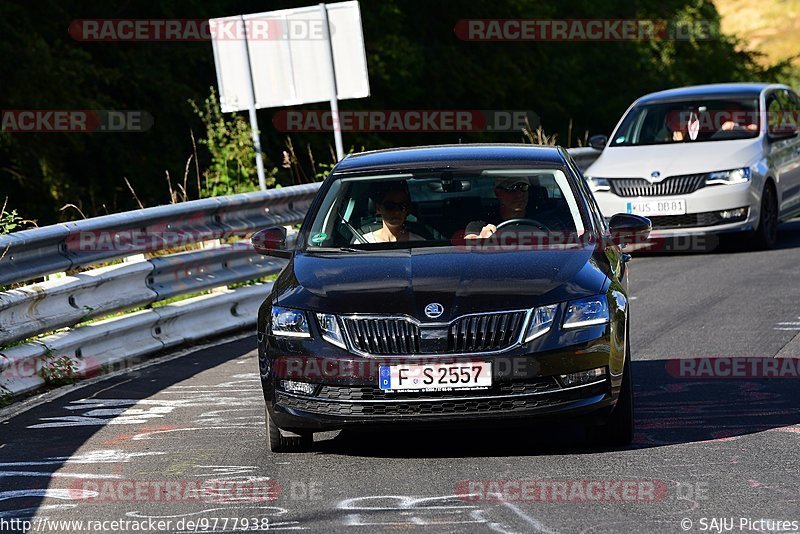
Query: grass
[[6, 397]]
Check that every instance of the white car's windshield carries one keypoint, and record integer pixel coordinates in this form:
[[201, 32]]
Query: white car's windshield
[[689, 121], [436, 208]]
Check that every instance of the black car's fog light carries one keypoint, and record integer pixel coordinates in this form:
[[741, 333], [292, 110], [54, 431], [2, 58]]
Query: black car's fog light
[[301, 388], [583, 377]]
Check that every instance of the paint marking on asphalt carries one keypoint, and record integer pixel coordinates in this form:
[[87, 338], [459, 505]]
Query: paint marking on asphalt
[[92, 457], [49, 493], [412, 511], [536, 524], [24, 405], [48, 474]]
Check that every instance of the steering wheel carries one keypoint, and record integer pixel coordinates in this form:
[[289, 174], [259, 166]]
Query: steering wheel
[[524, 222]]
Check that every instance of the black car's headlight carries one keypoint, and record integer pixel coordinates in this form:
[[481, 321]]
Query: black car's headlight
[[541, 321], [586, 312], [735, 176], [289, 323], [331, 332]]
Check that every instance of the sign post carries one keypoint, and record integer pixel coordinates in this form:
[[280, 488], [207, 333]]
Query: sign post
[[337, 130], [262, 181], [291, 57]]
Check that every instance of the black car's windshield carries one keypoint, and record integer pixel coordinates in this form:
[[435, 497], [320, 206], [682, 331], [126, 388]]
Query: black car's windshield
[[689, 121], [424, 209]]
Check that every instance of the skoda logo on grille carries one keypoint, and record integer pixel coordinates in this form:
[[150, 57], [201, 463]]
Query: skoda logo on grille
[[434, 310], [655, 176]]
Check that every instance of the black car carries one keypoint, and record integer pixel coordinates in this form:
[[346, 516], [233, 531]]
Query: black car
[[449, 284]]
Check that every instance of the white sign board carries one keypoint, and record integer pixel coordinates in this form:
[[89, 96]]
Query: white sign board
[[289, 54]]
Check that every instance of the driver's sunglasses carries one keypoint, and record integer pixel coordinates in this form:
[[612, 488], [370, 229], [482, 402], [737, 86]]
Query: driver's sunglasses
[[515, 187], [392, 206]]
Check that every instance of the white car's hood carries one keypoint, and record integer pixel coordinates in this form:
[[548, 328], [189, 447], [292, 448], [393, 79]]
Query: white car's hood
[[674, 159]]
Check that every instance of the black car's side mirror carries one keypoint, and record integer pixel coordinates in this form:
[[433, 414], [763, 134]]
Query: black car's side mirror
[[627, 228], [598, 142], [271, 242]]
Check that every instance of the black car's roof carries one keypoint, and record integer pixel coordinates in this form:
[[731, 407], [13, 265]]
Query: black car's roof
[[706, 91], [441, 156]]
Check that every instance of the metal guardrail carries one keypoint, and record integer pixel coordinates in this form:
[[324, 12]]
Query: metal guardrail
[[61, 247], [66, 302]]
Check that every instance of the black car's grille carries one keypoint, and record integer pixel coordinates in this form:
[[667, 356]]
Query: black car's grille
[[391, 335], [368, 393], [674, 185], [438, 405], [479, 333], [467, 334], [690, 220]]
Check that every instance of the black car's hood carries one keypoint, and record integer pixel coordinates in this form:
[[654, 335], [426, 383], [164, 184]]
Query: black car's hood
[[405, 281]]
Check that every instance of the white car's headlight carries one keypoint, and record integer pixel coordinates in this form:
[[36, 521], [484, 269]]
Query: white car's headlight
[[735, 176], [598, 184], [541, 321], [288, 322], [586, 312], [330, 329]]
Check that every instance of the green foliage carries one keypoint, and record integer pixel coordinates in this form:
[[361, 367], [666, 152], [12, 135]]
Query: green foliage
[[323, 170], [5, 397], [300, 171], [9, 220], [415, 61], [230, 143], [58, 371]]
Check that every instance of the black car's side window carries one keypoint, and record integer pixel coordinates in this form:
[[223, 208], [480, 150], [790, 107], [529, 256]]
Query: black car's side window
[[600, 221], [594, 210]]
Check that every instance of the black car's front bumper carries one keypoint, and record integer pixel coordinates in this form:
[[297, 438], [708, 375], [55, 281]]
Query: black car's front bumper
[[525, 385]]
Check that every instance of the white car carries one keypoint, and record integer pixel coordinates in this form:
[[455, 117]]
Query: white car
[[704, 160]]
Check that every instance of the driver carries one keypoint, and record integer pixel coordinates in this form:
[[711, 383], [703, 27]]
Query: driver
[[512, 192]]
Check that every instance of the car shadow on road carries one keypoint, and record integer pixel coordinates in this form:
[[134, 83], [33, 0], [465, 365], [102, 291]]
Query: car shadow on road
[[40, 441], [732, 243], [669, 410]]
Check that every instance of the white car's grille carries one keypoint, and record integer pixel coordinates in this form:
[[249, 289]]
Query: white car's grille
[[674, 185]]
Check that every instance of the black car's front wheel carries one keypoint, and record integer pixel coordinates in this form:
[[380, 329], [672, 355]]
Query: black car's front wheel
[[617, 430], [283, 441]]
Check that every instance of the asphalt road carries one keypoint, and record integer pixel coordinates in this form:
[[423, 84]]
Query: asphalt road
[[183, 440]]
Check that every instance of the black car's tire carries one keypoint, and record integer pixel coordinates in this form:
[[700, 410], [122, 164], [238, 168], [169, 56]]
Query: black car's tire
[[617, 431], [279, 442], [765, 235]]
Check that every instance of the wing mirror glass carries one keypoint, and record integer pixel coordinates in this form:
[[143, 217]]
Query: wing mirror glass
[[271, 242]]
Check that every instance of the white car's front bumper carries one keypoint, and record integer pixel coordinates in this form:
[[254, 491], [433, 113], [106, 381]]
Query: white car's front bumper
[[707, 201]]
